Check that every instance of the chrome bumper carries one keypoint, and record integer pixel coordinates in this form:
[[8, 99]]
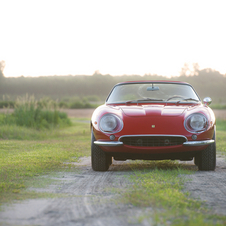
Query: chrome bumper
[[108, 143], [198, 143], [187, 143]]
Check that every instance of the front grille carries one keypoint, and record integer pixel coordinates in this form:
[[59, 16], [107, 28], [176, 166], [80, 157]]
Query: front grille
[[153, 141]]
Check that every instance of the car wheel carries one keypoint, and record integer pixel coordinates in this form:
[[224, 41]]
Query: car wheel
[[207, 158], [99, 160]]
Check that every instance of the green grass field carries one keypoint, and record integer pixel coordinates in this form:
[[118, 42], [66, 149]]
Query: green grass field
[[221, 137], [34, 139], [22, 158]]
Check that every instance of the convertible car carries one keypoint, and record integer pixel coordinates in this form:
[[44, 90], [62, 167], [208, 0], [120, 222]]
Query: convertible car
[[153, 120]]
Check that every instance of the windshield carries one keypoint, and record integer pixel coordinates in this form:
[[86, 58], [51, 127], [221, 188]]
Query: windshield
[[170, 92]]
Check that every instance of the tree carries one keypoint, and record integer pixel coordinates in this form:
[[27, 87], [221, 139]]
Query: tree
[[2, 66], [187, 71], [195, 69]]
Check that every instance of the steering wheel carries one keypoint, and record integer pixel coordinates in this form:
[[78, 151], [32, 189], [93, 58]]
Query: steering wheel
[[176, 96]]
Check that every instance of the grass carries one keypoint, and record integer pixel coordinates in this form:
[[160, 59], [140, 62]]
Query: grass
[[218, 106], [37, 114], [69, 103], [221, 142], [221, 136], [160, 187], [30, 117], [221, 125], [22, 160]]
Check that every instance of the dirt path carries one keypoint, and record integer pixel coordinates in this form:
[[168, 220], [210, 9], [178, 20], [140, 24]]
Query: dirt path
[[209, 187], [87, 198]]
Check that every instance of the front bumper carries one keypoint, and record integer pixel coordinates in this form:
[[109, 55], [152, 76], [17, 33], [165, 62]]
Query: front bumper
[[187, 143], [108, 143], [198, 143]]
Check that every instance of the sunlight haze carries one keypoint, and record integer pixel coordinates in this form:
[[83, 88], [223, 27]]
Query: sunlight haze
[[115, 37]]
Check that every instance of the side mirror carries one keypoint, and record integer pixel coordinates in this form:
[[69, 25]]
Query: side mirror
[[207, 101]]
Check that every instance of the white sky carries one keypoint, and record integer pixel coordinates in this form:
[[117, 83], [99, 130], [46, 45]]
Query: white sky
[[61, 37]]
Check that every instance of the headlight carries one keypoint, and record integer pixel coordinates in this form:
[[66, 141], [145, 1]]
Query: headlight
[[196, 123], [111, 123]]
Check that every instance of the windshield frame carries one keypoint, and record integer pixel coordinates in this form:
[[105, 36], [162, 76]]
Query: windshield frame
[[151, 83]]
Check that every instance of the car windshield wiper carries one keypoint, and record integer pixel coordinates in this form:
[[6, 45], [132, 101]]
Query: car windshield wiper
[[150, 99], [146, 99], [187, 99]]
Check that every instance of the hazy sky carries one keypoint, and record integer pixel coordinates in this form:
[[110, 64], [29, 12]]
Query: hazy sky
[[61, 37]]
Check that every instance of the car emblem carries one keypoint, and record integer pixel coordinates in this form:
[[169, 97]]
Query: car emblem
[[153, 126]]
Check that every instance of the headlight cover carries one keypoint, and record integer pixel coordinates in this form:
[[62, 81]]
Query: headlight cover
[[110, 123], [196, 123]]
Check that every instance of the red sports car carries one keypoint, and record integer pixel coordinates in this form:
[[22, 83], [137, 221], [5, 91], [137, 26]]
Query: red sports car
[[153, 120]]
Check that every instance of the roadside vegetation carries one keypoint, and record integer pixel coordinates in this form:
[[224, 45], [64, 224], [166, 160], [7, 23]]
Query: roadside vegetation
[[29, 116], [66, 102], [160, 186], [22, 160], [221, 137], [34, 140], [218, 106]]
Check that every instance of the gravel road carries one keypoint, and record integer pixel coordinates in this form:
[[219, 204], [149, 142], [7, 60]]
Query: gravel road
[[210, 186], [87, 198]]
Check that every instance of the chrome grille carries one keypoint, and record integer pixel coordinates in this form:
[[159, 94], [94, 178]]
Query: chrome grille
[[153, 141]]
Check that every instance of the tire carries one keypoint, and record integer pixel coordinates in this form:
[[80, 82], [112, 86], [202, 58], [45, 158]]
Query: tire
[[207, 158], [99, 160]]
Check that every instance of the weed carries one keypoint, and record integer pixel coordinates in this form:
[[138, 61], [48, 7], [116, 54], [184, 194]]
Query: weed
[[218, 106], [221, 136], [29, 113], [221, 125], [160, 186]]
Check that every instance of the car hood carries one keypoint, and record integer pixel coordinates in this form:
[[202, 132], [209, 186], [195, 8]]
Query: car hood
[[153, 110]]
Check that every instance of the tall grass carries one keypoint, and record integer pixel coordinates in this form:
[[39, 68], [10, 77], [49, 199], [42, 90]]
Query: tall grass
[[75, 102], [7, 104], [35, 114]]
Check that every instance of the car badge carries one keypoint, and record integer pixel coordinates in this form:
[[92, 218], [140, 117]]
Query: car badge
[[153, 126]]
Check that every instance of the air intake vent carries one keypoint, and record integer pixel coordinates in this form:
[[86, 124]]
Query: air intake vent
[[153, 141]]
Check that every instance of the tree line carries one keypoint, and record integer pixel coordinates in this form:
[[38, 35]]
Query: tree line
[[207, 82]]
